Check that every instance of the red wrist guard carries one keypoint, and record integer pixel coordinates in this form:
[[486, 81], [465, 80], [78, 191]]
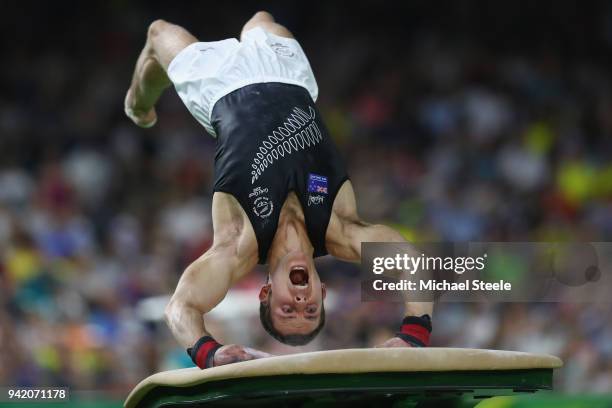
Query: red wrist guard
[[203, 352], [416, 330]]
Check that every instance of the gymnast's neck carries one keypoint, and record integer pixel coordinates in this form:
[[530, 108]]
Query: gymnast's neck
[[291, 234]]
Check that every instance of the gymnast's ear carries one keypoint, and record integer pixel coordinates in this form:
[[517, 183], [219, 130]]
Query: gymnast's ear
[[264, 292]]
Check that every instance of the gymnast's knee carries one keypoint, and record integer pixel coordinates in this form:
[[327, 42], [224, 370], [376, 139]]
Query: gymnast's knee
[[157, 27], [262, 16], [266, 21]]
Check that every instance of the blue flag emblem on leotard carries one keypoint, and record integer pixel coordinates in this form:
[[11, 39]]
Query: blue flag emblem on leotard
[[317, 184]]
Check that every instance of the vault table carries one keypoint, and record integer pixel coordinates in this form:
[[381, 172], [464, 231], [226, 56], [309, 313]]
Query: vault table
[[398, 377]]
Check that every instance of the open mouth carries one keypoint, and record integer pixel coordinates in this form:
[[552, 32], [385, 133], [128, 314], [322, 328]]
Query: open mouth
[[298, 276]]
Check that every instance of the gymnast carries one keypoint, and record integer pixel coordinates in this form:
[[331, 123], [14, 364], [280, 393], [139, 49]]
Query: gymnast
[[281, 192]]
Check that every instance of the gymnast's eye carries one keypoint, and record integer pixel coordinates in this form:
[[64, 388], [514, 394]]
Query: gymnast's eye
[[311, 309], [287, 309]]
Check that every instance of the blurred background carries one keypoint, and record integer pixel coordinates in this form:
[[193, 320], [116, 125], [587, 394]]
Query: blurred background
[[464, 120]]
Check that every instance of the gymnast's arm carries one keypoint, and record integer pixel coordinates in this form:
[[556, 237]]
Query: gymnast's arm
[[207, 280], [346, 232]]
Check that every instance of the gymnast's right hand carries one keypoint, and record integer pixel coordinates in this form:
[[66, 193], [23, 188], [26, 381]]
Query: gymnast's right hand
[[234, 353], [414, 332], [207, 352]]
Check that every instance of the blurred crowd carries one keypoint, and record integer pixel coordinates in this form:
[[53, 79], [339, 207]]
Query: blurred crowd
[[457, 124]]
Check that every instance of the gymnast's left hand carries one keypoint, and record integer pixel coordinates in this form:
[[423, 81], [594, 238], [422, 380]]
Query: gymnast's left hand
[[234, 353], [394, 342]]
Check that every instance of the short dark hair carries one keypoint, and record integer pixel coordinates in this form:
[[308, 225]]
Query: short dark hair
[[291, 339]]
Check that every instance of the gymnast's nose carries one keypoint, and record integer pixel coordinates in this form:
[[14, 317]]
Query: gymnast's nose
[[300, 298]]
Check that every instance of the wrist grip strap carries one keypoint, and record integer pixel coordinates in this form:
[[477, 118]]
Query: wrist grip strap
[[203, 352], [415, 330]]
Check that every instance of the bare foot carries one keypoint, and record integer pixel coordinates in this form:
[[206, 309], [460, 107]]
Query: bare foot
[[141, 118]]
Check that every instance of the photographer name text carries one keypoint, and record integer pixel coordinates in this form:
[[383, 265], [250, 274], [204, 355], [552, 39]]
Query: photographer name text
[[442, 285]]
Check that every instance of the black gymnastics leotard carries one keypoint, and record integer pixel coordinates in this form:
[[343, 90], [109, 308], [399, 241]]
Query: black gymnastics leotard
[[271, 140]]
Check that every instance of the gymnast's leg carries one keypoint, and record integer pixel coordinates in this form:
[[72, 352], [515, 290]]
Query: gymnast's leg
[[164, 42], [265, 20]]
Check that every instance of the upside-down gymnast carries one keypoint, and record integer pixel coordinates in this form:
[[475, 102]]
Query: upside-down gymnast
[[281, 192]]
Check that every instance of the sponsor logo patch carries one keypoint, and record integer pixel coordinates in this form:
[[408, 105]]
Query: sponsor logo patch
[[262, 205], [315, 199], [282, 49], [257, 191]]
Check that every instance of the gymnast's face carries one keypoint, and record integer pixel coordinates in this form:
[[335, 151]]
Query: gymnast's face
[[295, 294]]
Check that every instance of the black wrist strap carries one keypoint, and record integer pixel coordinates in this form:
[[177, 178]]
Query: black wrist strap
[[203, 352], [415, 330]]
